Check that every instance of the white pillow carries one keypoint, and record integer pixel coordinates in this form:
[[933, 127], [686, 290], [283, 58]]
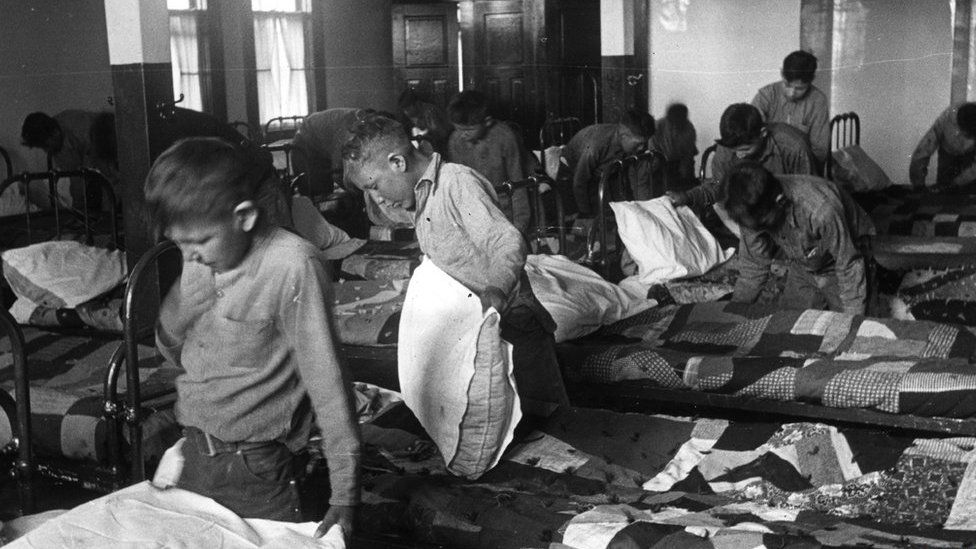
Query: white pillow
[[456, 372], [666, 243], [62, 273], [579, 300]]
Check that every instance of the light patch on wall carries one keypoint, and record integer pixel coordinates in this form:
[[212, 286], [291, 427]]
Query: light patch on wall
[[133, 35], [674, 15], [616, 28]]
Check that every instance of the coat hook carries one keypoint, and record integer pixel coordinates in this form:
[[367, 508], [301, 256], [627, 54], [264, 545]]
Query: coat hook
[[166, 109]]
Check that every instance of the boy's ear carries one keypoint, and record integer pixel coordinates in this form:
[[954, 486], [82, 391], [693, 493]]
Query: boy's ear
[[398, 162], [246, 215]]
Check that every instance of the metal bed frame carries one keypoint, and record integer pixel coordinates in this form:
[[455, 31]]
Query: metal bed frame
[[58, 211], [615, 185], [120, 412], [8, 165], [845, 130], [705, 157]]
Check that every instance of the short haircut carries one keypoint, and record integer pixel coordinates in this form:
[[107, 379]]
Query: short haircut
[[799, 65], [741, 123], [638, 121], [468, 108], [751, 193], [677, 113], [409, 99], [202, 179], [37, 128], [966, 118], [372, 131]]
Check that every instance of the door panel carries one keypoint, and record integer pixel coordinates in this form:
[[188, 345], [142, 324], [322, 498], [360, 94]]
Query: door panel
[[425, 55]]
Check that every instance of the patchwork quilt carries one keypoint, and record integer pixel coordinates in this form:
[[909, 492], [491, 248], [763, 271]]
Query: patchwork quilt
[[367, 312], [596, 479], [67, 373], [924, 218], [942, 295], [380, 260], [833, 359]]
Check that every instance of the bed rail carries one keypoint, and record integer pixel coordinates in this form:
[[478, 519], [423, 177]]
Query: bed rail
[[24, 465], [86, 214], [148, 277], [705, 157], [617, 183], [845, 130], [7, 164]]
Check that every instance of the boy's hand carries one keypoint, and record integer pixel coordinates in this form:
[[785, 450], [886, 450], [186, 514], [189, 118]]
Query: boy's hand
[[678, 198], [493, 297], [342, 515], [184, 304]]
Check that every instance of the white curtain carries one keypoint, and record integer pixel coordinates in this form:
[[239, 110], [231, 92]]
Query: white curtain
[[279, 47], [184, 45]]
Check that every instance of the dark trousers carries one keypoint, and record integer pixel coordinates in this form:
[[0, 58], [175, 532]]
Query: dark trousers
[[536, 370], [252, 480]]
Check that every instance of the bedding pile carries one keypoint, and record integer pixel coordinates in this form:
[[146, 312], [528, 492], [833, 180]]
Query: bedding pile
[[596, 479], [67, 373], [942, 295], [833, 359]]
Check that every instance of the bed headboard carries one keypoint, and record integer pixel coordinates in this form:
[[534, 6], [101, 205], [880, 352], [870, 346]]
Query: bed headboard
[[706, 156], [618, 183], [89, 214], [845, 130]]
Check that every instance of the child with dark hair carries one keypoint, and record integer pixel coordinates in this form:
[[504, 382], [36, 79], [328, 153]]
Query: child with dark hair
[[491, 148], [75, 139], [427, 121], [794, 100], [779, 148], [248, 322], [953, 135], [675, 138], [595, 147], [817, 226], [461, 230]]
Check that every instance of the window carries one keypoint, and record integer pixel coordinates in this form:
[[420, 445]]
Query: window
[[281, 47], [188, 51]]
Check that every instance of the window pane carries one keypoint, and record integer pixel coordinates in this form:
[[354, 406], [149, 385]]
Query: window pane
[[186, 4], [279, 48], [293, 6], [184, 45]]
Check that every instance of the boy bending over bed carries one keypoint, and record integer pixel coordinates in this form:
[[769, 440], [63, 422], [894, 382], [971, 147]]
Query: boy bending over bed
[[460, 228], [249, 325]]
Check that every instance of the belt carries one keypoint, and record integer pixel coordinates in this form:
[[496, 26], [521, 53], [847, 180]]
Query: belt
[[214, 445]]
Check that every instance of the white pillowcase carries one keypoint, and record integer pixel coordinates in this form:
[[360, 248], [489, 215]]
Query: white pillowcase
[[456, 372], [579, 300], [665, 242], [62, 273]]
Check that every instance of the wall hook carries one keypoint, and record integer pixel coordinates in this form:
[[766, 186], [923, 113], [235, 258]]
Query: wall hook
[[166, 109]]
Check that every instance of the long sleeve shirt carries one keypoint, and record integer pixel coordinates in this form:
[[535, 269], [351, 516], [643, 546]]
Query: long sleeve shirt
[[497, 155], [957, 153], [263, 358], [819, 234], [318, 146], [809, 114], [460, 228], [588, 154], [786, 151]]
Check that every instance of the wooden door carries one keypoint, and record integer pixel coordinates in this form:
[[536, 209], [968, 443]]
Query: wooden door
[[573, 40], [425, 50], [502, 57]]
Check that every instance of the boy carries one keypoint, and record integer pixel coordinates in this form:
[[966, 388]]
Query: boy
[[248, 323], [460, 228], [954, 135], [428, 121], [780, 148], [794, 100], [491, 149], [823, 233], [675, 138], [594, 147]]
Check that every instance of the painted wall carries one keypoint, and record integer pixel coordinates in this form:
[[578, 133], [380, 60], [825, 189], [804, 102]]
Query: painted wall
[[709, 54], [893, 66], [53, 56], [359, 54]]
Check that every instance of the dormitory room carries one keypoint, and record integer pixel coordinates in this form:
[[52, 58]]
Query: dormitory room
[[553, 274]]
